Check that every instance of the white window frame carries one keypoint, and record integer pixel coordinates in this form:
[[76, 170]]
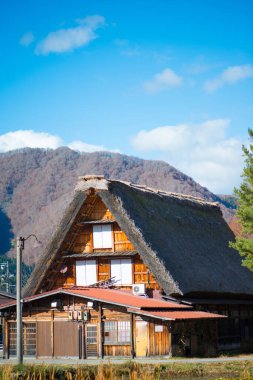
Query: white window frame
[[84, 273], [102, 236], [123, 274]]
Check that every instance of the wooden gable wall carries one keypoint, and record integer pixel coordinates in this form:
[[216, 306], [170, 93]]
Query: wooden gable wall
[[78, 245]]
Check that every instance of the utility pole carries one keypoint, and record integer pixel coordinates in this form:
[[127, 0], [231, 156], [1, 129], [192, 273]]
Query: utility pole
[[20, 244], [20, 247]]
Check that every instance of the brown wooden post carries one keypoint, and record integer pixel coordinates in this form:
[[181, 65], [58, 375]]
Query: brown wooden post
[[5, 339], [52, 332], [80, 346], [36, 354], [132, 335], [83, 341], [169, 327], [101, 331]]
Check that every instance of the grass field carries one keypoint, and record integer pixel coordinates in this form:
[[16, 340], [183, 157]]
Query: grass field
[[130, 370]]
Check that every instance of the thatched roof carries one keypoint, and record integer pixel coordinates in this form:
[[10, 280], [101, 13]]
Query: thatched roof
[[183, 240]]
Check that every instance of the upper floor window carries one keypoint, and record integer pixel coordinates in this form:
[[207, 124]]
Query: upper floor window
[[121, 270], [86, 272], [102, 236]]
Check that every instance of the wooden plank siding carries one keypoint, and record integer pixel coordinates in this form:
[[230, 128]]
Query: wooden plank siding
[[122, 350], [79, 241], [103, 268], [142, 274], [66, 338], [44, 347], [159, 342]]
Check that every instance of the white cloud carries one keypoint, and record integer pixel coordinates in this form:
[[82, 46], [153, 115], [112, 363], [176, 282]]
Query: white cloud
[[162, 138], [202, 151], [81, 146], [28, 138], [31, 139], [229, 76], [162, 81], [27, 39], [64, 40]]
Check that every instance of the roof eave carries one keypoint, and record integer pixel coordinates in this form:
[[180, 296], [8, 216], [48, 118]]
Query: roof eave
[[54, 245]]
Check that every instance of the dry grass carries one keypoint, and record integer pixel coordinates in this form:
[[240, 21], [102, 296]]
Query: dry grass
[[130, 371]]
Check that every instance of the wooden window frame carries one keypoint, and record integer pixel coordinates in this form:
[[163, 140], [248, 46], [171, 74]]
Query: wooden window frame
[[116, 333]]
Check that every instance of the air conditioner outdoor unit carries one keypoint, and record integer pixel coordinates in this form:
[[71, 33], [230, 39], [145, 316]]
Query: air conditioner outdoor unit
[[139, 289]]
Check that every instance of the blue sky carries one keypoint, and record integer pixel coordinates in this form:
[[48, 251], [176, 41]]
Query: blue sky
[[167, 80]]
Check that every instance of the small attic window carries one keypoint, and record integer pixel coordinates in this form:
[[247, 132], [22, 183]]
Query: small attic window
[[102, 236]]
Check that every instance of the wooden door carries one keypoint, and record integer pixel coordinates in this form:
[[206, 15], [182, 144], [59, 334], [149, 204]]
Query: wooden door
[[91, 341], [66, 338], [141, 343], [44, 344]]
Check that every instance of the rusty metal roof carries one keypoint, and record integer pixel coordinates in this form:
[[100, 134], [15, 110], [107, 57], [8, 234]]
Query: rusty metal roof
[[177, 315], [150, 307], [109, 296]]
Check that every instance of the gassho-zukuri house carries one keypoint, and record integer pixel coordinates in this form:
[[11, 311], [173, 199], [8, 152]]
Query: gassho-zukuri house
[[136, 272]]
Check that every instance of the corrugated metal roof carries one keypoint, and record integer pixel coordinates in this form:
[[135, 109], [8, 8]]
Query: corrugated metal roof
[[124, 298], [109, 296], [162, 310], [6, 294], [178, 315]]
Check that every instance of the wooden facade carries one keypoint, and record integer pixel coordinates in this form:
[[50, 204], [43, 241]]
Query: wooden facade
[[108, 331], [79, 246]]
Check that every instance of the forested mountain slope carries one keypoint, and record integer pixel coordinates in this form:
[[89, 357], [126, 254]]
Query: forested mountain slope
[[36, 185]]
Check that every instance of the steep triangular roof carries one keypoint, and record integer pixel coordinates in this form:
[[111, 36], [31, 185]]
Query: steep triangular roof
[[183, 240]]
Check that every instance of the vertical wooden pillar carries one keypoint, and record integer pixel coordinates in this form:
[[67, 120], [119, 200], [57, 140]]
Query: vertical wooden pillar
[[169, 327], [5, 339], [83, 341], [80, 341], [132, 335], [52, 332], [7, 350], [101, 332]]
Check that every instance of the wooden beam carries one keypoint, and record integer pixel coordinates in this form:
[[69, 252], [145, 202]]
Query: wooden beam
[[132, 335], [101, 332], [5, 339], [52, 332], [83, 342]]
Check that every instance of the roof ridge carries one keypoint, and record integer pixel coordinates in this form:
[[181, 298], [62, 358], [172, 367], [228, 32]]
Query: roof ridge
[[161, 192]]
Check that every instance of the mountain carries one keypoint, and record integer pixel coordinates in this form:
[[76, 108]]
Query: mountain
[[36, 186]]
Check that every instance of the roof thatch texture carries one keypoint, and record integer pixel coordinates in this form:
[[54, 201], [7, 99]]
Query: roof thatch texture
[[54, 244], [183, 240]]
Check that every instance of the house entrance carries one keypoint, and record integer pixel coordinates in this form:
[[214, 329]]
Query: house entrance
[[141, 338], [91, 341]]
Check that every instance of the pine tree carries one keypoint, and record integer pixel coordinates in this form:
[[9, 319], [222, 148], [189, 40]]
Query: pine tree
[[244, 243]]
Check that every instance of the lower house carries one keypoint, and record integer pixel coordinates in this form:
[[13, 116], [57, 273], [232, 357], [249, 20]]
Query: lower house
[[91, 322]]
